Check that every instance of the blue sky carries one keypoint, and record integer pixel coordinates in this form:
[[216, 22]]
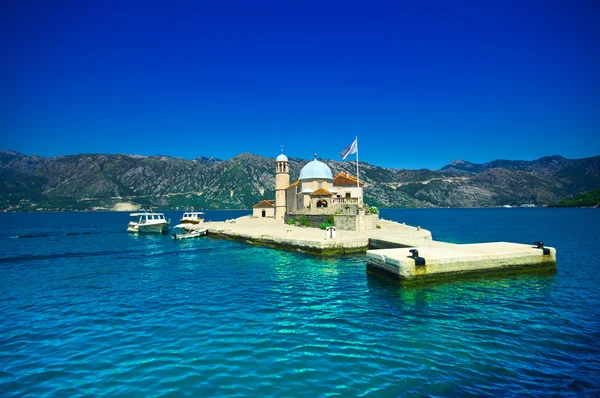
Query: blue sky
[[421, 83]]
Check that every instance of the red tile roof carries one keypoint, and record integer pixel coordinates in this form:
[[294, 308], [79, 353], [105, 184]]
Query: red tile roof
[[345, 179], [265, 203], [321, 192]]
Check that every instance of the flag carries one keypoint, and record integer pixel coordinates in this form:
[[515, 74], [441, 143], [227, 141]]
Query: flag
[[350, 150]]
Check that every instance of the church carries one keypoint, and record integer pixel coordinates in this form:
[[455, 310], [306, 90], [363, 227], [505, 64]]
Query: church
[[315, 195]]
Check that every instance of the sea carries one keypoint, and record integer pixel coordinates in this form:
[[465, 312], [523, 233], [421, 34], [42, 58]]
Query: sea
[[87, 309]]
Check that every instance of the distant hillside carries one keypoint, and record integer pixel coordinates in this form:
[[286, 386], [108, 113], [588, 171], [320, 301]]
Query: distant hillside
[[92, 181], [586, 199], [545, 165], [575, 174]]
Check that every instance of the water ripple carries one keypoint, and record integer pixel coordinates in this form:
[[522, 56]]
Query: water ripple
[[115, 314]]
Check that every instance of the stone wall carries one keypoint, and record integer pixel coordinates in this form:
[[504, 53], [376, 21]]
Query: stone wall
[[353, 222], [349, 220], [345, 222], [370, 222], [315, 210], [332, 209], [315, 220]]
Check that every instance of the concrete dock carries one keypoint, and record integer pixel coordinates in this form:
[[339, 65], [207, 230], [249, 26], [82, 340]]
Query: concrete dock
[[388, 249], [268, 232], [444, 262]]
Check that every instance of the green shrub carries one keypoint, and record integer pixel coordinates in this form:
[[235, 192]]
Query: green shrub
[[330, 220], [303, 220], [324, 225], [291, 221], [373, 210], [378, 226]]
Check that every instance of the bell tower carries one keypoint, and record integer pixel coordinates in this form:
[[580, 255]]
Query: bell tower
[[282, 181]]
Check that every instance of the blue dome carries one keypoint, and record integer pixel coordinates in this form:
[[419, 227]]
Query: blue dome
[[282, 158], [315, 170]]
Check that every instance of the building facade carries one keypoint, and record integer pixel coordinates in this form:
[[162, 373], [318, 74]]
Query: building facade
[[264, 209]]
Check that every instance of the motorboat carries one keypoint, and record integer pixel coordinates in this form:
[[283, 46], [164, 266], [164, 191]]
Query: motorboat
[[192, 217], [148, 222], [185, 231]]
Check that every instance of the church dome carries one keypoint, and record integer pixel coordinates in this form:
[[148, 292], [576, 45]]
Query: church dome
[[282, 158], [316, 170]]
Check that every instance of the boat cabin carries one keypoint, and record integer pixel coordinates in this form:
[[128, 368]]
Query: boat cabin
[[193, 217], [146, 218]]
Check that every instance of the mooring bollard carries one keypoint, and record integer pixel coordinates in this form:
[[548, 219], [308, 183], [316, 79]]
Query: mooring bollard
[[419, 261], [330, 233], [540, 245]]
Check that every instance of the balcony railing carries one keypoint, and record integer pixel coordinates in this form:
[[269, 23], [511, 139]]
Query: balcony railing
[[344, 201]]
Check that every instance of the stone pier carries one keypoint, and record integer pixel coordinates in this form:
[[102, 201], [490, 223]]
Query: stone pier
[[443, 262], [269, 232], [388, 248]]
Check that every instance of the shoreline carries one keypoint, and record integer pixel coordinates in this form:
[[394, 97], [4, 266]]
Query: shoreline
[[380, 208]]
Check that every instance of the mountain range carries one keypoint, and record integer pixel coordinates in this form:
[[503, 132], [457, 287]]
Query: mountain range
[[102, 181]]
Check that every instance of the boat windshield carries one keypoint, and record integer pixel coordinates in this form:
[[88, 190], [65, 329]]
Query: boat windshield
[[142, 218], [193, 215]]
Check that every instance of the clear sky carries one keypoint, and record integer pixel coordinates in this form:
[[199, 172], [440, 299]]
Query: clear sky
[[421, 82]]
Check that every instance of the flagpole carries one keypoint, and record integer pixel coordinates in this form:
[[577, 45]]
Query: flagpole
[[357, 176]]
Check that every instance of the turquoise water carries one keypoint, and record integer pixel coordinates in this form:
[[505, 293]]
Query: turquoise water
[[88, 309]]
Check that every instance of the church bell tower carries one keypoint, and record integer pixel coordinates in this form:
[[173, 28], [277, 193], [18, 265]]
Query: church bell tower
[[282, 181]]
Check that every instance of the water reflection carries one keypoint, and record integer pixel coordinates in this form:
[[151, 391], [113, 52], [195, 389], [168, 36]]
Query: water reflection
[[424, 293]]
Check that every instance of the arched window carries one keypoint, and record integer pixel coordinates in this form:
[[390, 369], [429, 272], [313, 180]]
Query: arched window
[[322, 203]]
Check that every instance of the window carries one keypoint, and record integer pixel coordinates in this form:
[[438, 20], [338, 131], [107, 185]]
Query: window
[[321, 203], [320, 184], [347, 195]]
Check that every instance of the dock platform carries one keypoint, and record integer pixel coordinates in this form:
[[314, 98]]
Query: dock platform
[[427, 263], [269, 232], [388, 249]]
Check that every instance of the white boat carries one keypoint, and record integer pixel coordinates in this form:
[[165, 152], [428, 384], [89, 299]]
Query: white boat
[[192, 217], [183, 231], [149, 222]]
